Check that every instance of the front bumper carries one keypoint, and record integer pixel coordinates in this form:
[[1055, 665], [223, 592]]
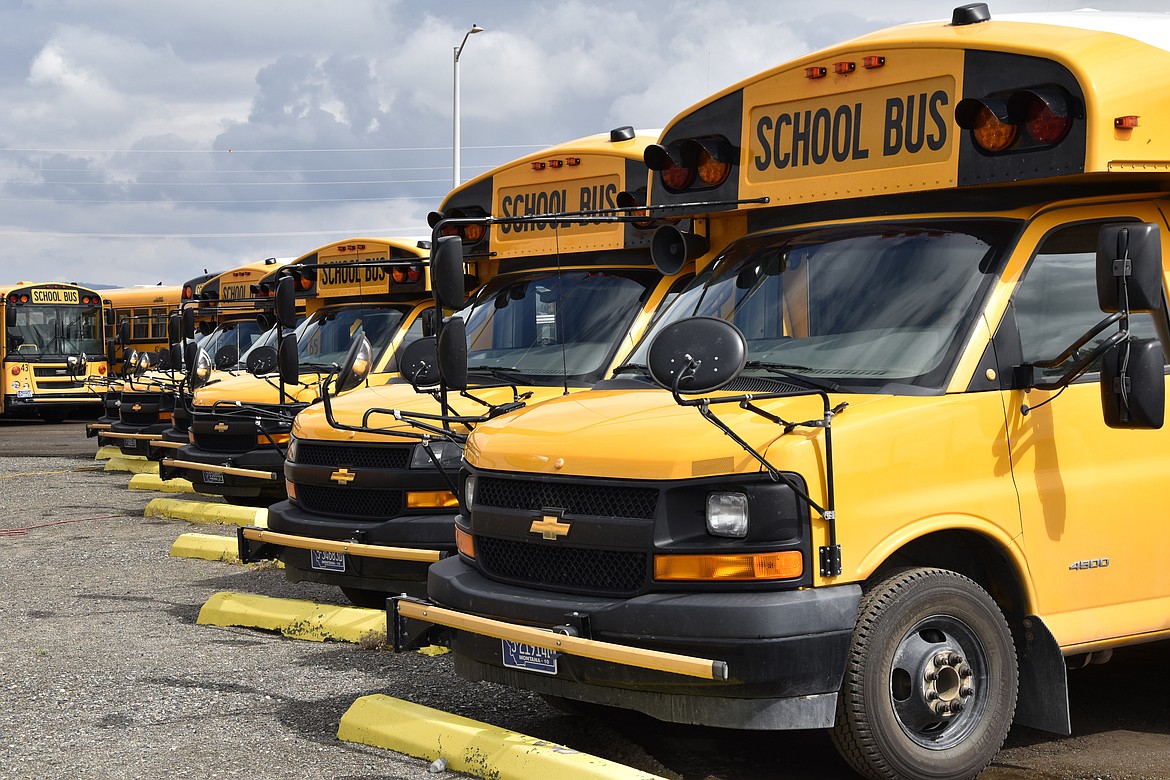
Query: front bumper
[[423, 538], [131, 439], [224, 474], [785, 651]]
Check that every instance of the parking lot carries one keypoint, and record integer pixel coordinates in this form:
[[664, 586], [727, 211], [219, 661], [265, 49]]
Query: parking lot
[[107, 674]]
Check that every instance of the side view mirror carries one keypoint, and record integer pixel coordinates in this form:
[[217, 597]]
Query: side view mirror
[[174, 329], [1133, 386], [1129, 268], [187, 329], [201, 367], [452, 349], [356, 366], [124, 331], [190, 356], [286, 302], [176, 355], [419, 363], [162, 359], [129, 362], [447, 273], [288, 361], [262, 360], [10, 316], [264, 321], [227, 356], [108, 317], [697, 355]]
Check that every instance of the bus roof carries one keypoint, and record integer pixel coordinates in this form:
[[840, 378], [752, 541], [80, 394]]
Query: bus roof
[[7, 288], [586, 174], [896, 111], [143, 295]]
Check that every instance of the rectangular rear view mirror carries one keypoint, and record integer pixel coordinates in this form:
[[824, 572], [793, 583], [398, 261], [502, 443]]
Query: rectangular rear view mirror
[[1133, 385], [1129, 267]]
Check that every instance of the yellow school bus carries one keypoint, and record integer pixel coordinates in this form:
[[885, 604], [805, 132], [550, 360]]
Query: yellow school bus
[[376, 287], [562, 302], [51, 345], [896, 459], [145, 310], [230, 320], [258, 305], [136, 306]]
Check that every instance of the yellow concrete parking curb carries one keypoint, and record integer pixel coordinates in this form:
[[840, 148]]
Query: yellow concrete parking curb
[[156, 483], [295, 619], [207, 512], [469, 746], [107, 451], [133, 464], [211, 547], [207, 547]]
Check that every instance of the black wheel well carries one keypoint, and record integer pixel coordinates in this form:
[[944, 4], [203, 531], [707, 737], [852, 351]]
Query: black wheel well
[[971, 554]]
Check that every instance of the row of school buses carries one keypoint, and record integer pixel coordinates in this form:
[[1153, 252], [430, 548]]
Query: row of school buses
[[837, 403]]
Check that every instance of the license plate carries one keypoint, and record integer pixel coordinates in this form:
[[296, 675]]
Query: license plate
[[130, 444], [213, 477], [323, 560], [24, 393], [528, 657]]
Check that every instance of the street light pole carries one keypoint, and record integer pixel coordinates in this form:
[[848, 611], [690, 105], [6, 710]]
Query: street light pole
[[475, 28]]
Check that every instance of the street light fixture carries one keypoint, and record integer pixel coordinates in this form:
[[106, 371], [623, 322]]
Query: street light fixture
[[475, 28]]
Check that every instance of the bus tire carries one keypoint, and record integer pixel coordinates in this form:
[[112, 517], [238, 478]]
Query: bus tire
[[55, 414], [926, 640]]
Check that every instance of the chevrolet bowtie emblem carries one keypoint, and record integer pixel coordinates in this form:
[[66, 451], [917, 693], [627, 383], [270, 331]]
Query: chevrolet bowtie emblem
[[550, 527], [221, 427], [343, 476], [136, 408]]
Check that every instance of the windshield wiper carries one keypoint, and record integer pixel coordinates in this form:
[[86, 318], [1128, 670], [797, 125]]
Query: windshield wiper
[[507, 374], [629, 368], [785, 370]]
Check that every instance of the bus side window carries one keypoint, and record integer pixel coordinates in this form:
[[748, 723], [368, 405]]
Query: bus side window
[[1056, 301]]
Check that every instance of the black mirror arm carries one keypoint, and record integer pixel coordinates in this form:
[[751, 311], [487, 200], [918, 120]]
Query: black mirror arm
[[830, 553], [1026, 376]]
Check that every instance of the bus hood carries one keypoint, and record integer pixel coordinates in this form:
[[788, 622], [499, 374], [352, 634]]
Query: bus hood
[[644, 434], [350, 408]]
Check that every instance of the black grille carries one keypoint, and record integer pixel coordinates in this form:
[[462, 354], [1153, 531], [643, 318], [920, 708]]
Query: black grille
[[131, 417], [182, 420], [595, 571], [350, 502], [356, 457], [575, 499], [222, 442]]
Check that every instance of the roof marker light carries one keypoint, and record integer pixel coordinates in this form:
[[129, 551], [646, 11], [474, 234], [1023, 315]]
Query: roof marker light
[[538, 165], [556, 163], [816, 72], [873, 61], [844, 67], [570, 161], [1126, 122]]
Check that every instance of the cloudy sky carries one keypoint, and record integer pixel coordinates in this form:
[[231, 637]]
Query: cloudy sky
[[147, 141]]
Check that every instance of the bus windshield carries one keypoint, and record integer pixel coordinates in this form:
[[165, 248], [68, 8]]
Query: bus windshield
[[870, 306], [229, 340], [55, 332], [554, 324], [326, 338]]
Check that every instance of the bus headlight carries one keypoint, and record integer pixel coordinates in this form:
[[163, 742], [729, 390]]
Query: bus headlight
[[727, 514], [449, 454], [469, 492]]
